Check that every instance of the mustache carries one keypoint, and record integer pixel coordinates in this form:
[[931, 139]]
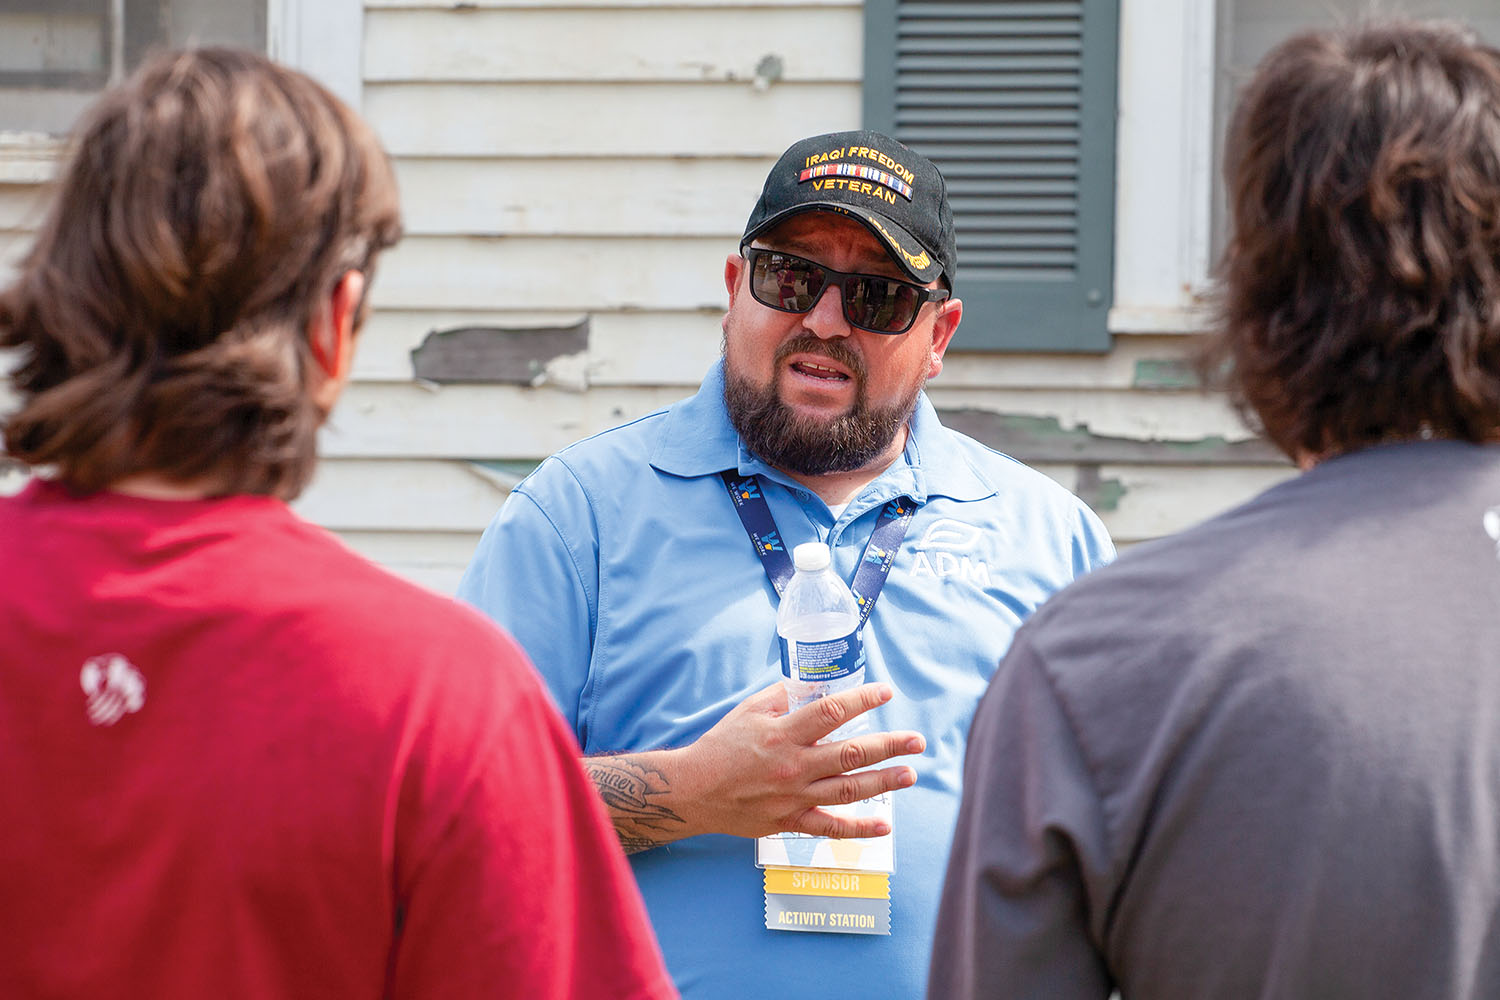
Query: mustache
[[835, 350]]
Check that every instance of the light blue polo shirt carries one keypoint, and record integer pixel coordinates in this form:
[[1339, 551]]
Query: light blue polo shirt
[[622, 568]]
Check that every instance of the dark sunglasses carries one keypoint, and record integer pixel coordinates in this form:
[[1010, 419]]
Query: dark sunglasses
[[871, 301]]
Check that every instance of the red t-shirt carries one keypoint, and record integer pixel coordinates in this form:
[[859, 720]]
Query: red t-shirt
[[237, 760]]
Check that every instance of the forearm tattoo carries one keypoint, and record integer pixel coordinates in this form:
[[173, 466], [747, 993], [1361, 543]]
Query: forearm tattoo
[[626, 788]]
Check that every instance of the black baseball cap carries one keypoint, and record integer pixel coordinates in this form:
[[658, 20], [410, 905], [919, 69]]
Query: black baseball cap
[[894, 191]]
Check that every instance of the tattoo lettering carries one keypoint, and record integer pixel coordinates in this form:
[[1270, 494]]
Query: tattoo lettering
[[625, 787]]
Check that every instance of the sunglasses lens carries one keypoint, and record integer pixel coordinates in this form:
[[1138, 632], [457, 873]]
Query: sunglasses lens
[[791, 284], [880, 304], [787, 283]]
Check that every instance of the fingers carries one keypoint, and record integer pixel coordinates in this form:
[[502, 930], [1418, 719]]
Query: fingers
[[824, 824], [846, 788], [760, 769], [867, 751], [811, 723], [842, 789]]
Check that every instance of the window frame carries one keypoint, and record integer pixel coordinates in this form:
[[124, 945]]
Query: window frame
[[323, 38], [1165, 161]]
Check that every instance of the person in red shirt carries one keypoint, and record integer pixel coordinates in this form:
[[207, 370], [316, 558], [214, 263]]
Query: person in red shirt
[[239, 760]]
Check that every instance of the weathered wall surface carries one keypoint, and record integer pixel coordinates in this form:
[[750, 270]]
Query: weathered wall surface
[[574, 174]]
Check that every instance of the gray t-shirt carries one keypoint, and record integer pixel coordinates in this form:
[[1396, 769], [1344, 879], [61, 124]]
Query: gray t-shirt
[[1257, 759]]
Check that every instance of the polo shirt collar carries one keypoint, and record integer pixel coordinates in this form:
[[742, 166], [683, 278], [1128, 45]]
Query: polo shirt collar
[[697, 439]]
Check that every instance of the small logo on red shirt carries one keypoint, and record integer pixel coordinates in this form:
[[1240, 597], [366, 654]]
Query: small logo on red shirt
[[114, 688]]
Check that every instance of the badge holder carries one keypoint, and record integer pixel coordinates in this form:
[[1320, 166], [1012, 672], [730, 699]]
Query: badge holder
[[830, 886]]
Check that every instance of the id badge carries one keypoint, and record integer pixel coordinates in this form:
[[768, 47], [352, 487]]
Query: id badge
[[827, 885]]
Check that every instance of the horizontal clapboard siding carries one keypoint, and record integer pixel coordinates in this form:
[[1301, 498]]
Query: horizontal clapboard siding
[[552, 196], [602, 187], [624, 44], [603, 121], [674, 348], [553, 272], [434, 559], [572, 8], [512, 422]]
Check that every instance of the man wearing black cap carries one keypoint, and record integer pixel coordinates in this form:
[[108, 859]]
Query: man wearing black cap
[[640, 569]]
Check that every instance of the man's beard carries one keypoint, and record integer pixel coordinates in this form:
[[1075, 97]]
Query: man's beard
[[811, 446]]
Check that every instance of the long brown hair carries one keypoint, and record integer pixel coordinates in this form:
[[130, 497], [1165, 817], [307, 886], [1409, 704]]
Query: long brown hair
[[211, 203], [1361, 284]]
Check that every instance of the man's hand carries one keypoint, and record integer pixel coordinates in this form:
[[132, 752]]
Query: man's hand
[[758, 771]]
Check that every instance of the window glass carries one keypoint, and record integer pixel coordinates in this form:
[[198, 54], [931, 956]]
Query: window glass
[[55, 54], [1248, 29]]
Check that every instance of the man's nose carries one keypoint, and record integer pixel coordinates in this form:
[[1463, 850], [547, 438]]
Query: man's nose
[[826, 318]]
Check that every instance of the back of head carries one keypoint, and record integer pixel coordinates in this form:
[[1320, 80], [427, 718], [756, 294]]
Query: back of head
[[211, 203], [1361, 283]]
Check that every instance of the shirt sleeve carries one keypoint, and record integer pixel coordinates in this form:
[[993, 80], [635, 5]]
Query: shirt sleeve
[[1092, 546], [509, 878], [1015, 913], [536, 573]]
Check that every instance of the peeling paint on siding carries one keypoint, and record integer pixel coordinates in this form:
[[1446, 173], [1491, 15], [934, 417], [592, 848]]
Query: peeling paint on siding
[[1164, 373], [496, 354], [1102, 495], [1043, 439]]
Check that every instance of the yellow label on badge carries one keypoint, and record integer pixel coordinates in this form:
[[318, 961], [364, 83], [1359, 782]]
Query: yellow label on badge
[[821, 882]]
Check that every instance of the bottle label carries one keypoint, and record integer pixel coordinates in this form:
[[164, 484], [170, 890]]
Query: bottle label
[[825, 660]]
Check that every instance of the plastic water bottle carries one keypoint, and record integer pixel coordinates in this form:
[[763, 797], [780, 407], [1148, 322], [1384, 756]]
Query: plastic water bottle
[[819, 631]]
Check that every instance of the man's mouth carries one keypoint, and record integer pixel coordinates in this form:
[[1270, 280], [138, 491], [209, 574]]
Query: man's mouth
[[814, 370]]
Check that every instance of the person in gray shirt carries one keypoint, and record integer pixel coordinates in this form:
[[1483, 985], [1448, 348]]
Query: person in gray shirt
[[1262, 758]]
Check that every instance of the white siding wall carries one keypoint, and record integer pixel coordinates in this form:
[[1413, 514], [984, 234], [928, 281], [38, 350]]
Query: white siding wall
[[571, 160], [597, 160]]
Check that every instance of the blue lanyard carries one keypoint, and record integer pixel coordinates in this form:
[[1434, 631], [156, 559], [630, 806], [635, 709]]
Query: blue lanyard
[[874, 565]]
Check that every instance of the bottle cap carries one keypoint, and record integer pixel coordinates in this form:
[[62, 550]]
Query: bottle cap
[[811, 556]]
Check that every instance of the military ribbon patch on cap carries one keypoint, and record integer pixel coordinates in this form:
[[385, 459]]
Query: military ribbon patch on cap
[[859, 171]]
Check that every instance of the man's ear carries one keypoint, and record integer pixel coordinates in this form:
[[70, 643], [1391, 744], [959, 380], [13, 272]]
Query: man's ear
[[944, 325], [734, 266], [330, 334]]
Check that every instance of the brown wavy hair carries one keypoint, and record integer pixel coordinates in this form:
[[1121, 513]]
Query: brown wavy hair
[[1360, 289], [210, 205]]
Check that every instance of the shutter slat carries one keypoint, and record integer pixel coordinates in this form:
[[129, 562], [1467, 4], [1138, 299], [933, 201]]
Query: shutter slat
[[947, 115], [944, 153], [987, 44], [1004, 62], [994, 10], [1017, 260], [1060, 238], [1061, 82], [1049, 137], [982, 212], [915, 100], [922, 28], [960, 171], [1011, 187]]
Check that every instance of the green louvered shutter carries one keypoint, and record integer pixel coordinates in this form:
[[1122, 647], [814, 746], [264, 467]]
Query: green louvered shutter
[[1015, 103]]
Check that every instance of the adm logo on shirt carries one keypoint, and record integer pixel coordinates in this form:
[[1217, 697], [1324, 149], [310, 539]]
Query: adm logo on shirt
[[113, 688], [945, 551]]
